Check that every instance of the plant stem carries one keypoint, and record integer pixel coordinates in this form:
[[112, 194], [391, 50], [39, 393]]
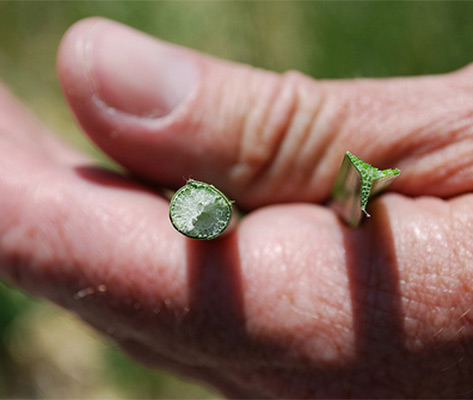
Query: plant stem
[[200, 211], [356, 182]]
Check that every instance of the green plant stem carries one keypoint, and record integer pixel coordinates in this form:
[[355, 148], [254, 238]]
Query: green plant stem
[[199, 210], [356, 182]]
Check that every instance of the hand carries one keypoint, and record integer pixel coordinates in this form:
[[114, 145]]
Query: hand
[[291, 303]]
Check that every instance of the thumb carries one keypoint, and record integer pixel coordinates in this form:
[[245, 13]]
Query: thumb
[[168, 113]]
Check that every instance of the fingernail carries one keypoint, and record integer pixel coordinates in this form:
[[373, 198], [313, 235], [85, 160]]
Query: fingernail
[[137, 74]]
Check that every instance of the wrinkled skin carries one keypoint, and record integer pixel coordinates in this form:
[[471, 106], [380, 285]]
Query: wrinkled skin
[[290, 303]]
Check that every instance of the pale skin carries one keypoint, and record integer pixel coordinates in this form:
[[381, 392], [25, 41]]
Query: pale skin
[[290, 303]]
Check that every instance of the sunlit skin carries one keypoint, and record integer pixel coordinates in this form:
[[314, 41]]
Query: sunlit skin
[[291, 302]]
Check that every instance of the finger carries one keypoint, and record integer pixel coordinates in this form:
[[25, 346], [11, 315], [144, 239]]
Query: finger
[[169, 113], [97, 244], [56, 224], [291, 302], [19, 128], [384, 311], [88, 240]]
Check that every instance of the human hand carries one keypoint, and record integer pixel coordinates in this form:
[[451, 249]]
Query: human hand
[[291, 303]]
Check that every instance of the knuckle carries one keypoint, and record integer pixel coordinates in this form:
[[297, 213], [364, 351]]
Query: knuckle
[[266, 121], [281, 134]]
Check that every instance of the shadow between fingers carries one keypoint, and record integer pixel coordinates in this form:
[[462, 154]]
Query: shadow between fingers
[[374, 286], [118, 180], [103, 176], [215, 294]]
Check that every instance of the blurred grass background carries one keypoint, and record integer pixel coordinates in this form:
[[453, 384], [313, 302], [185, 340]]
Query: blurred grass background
[[46, 352]]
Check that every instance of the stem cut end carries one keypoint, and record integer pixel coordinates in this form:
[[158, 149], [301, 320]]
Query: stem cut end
[[200, 211], [356, 183]]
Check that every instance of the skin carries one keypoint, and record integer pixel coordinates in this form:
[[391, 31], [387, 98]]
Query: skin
[[291, 303]]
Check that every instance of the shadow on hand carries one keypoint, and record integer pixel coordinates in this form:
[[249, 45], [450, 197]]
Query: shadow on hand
[[374, 287], [385, 366], [216, 296]]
